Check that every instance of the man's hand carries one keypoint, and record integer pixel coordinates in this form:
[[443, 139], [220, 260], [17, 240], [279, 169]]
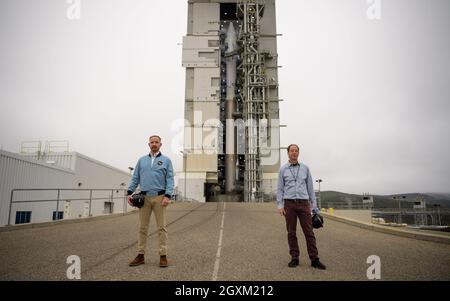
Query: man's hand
[[315, 211], [281, 211], [129, 200], [165, 201]]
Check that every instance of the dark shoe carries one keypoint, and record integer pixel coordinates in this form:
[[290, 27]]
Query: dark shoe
[[318, 265], [163, 261], [138, 260], [293, 263]]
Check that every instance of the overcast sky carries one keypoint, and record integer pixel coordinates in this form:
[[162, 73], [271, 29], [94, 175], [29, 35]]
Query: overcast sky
[[367, 100]]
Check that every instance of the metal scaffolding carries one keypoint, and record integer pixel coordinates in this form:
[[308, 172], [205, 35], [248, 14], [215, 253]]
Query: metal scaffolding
[[254, 94]]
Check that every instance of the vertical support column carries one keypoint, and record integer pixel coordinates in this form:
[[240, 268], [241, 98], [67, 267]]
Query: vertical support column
[[254, 94], [10, 207], [90, 202], [57, 204]]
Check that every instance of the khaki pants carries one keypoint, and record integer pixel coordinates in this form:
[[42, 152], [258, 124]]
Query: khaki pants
[[152, 203]]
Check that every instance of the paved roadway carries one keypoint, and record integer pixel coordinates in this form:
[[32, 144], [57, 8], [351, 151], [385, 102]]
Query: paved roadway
[[253, 246]]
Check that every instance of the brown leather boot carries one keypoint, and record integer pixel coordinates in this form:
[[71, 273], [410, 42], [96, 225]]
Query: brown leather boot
[[138, 260], [163, 261]]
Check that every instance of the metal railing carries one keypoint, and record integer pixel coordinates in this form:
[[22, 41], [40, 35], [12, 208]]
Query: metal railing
[[111, 197], [413, 216], [345, 205]]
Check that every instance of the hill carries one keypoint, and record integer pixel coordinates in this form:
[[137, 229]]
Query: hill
[[341, 199]]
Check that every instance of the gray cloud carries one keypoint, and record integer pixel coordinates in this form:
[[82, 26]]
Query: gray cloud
[[368, 101]]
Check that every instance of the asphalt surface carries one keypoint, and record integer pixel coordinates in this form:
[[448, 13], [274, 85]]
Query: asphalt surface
[[222, 241]]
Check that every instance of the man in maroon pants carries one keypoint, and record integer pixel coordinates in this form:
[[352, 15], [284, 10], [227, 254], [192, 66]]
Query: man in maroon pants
[[294, 194]]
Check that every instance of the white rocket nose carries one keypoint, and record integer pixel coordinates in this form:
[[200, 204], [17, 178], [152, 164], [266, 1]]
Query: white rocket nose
[[231, 38]]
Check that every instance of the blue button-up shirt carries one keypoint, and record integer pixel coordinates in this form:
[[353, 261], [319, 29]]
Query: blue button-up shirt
[[295, 182]]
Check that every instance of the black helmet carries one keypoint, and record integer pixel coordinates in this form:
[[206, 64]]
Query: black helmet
[[317, 221], [137, 200]]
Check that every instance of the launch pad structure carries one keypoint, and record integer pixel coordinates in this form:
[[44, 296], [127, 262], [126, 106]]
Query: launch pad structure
[[232, 130]]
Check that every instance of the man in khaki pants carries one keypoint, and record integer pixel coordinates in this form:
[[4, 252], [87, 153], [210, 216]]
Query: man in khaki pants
[[154, 175]]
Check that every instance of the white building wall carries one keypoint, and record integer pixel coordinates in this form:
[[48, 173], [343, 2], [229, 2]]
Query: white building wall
[[206, 16], [17, 172], [194, 188], [93, 174], [62, 159], [201, 58]]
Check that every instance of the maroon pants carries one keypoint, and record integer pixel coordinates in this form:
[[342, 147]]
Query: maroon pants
[[301, 210]]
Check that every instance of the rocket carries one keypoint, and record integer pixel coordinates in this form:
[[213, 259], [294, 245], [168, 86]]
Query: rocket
[[230, 108]]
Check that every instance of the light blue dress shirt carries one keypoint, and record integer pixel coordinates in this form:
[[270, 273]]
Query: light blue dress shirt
[[295, 182]]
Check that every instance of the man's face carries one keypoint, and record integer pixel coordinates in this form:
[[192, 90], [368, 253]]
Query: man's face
[[155, 144], [293, 153]]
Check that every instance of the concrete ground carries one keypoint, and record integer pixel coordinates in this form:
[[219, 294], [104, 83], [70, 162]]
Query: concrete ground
[[223, 241]]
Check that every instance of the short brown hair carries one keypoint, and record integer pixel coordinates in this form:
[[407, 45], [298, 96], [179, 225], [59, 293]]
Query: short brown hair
[[154, 136], [289, 147]]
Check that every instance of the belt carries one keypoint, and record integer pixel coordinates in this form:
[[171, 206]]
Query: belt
[[151, 193], [296, 200]]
